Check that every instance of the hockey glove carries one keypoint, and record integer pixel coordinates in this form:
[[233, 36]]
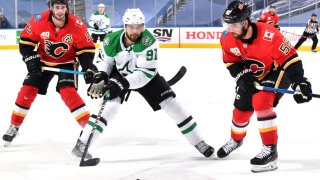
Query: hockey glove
[[95, 26], [88, 76], [245, 82], [302, 91], [33, 63], [115, 87], [98, 81]]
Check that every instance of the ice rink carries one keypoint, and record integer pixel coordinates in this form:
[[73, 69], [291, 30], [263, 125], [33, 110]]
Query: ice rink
[[141, 144]]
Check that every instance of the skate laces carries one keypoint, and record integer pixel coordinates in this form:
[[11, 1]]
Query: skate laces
[[12, 130], [266, 150], [202, 146], [231, 145]]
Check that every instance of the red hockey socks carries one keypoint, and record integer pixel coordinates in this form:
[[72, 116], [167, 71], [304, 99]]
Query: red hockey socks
[[240, 121], [23, 103], [76, 105], [263, 105]]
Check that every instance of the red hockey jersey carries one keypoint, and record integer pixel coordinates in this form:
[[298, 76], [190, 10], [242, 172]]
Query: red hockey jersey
[[269, 19], [57, 45], [265, 50]]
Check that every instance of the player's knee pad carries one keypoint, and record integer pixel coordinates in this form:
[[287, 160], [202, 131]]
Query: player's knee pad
[[26, 95], [174, 109], [71, 97], [241, 118], [263, 100]]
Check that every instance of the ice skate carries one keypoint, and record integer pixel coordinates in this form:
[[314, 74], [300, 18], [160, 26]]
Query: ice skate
[[11, 133], [230, 146], [265, 160], [205, 149], [313, 50], [79, 149]]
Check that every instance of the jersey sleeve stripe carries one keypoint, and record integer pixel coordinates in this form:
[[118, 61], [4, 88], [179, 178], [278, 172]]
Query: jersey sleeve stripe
[[86, 51], [288, 63], [229, 64], [26, 42]]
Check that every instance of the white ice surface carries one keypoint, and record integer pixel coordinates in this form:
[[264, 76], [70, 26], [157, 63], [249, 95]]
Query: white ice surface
[[141, 144]]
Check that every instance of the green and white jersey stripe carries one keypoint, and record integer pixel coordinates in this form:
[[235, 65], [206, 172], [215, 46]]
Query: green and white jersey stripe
[[102, 20], [137, 63]]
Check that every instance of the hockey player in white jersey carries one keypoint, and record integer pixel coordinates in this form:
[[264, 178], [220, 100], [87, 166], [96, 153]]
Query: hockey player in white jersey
[[130, 62], [100, 22]]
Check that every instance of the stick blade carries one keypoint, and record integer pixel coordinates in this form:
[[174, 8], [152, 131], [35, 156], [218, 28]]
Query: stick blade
[[182, 71], [89, 162]]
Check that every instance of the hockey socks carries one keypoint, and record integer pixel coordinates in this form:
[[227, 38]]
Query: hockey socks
[[23, 103], [76, 105], [100, 125]]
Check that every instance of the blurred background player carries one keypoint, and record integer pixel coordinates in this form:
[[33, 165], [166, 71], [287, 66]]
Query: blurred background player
[[270, 17], [100, 22], [130, 63], [311, 30], [276, 65], [61, 39], [22, 24], [4, 23]]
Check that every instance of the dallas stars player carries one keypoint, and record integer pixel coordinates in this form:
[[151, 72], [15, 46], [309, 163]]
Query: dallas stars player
[[100, 22], [130, 63]]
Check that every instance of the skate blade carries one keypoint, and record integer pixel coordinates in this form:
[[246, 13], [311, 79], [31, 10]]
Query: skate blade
[[7, 144], [264, 168]]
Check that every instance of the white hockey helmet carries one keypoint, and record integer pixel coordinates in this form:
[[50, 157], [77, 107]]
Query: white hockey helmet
[[133, 16], [101, 5]]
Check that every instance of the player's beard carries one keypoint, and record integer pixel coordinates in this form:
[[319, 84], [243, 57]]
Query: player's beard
[[133, 37], [242, 34], [59, 17]]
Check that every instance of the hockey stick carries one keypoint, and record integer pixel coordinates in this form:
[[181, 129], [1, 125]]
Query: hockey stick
[[93, 161], [182, 71], [284, 91], [62, 70]]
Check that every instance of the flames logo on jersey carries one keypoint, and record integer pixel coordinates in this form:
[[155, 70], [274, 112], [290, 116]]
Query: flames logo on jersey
[[257, 67], [56, 50]]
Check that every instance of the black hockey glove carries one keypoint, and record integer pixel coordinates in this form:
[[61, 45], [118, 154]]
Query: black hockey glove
[[95, 26], [115, 87], [302, 91], [245, 82], [33, 63], [88, 76], [98, 81]]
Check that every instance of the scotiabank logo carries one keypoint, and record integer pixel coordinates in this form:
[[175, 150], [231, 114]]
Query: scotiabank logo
[[163, 35], [203, 35]]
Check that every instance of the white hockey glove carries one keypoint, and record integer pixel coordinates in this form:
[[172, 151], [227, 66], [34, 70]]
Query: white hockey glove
[[95, 89]]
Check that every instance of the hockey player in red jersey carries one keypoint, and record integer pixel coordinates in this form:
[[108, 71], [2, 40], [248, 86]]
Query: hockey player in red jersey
[[270, 17], [62, 42], [258, 53]]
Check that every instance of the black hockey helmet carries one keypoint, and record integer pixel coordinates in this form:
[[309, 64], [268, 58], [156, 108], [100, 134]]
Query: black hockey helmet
[[236, 11], [314, 14], [52, 2]]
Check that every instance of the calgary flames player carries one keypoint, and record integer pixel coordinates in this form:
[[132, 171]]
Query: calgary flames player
[[62, 41], [270, 17], [255, 52]]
